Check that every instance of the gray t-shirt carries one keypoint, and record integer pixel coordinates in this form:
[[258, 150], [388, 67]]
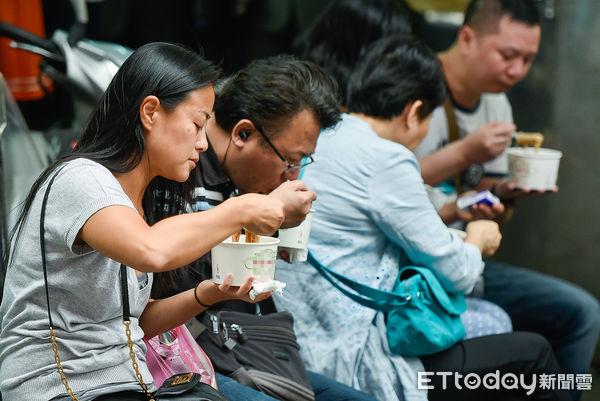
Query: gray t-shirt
[[85, 296]]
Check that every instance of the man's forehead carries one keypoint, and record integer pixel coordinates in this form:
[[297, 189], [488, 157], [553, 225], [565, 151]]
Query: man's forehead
[[299, 141], [301, 131], [515, 35]]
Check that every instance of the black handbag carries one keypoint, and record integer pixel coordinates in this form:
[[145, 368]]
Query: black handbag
[[259, 351], [186, 387], [182, 387]]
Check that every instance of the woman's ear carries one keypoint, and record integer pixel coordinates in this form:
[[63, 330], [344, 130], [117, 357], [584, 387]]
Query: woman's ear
[[148, 109], [413, 118]]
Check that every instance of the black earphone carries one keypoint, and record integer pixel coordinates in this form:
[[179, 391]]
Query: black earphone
[[244, 135]]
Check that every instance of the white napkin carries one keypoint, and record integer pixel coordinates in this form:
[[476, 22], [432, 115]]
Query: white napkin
[[266, 286]]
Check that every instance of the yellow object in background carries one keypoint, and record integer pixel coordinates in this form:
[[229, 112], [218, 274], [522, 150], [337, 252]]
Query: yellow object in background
[[421, 6]]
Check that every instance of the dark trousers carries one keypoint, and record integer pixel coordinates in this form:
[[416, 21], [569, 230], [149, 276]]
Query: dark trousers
[[500, 357], [565, 314]]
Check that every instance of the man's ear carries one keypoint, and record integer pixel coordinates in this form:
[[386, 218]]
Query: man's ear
[[413, 118], [241, 132], [466, 38], [148, 109]]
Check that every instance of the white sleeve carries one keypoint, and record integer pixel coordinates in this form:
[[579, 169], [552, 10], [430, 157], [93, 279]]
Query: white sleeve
[[437, 137], [501, 110]]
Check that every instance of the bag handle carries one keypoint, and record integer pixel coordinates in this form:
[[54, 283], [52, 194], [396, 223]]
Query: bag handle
[[367, 296], [124, 293]]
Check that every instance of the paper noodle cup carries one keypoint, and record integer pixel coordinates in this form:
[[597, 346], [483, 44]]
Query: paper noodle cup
[[296, 237], [533, 169], [244, 260]]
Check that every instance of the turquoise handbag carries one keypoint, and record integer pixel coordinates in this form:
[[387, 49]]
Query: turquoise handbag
[[421, 317]]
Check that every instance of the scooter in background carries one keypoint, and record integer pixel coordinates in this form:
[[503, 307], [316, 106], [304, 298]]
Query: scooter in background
[[84, 68]]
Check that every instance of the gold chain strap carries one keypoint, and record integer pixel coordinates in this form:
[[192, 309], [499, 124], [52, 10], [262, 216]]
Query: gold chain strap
[[61, 372], [125, 320], [63, 378], [134, 362]]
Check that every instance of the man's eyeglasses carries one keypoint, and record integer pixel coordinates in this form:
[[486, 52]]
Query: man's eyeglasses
[[305, 160]]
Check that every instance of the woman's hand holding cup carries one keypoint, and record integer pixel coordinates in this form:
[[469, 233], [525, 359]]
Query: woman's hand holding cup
[[209, 293]]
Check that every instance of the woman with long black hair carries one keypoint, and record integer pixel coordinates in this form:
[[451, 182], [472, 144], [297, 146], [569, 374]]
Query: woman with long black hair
[[144, 138]]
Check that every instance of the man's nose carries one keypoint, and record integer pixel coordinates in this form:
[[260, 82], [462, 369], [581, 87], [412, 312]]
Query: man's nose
[[518, 68]]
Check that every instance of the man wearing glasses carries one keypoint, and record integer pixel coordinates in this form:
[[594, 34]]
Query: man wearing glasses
[[267, 118], [252, 163]]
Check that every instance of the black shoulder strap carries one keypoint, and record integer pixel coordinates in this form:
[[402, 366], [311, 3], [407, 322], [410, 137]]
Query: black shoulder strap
[[126, 316], [124, 293], [43, 243], [123, 271]]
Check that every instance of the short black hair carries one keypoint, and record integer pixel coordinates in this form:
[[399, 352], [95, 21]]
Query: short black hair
[[484, 15], [395, 71], [271, 91]]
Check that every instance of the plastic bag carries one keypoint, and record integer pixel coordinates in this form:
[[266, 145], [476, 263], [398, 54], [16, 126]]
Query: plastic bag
[[175, 352]]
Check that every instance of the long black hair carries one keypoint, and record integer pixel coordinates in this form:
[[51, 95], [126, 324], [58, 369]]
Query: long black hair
[[114, 136]]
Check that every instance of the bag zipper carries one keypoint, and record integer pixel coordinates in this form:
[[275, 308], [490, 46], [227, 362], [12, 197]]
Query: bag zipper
[[262, 335], [215, 324], [269, 329], [219, 328], [256, 332]]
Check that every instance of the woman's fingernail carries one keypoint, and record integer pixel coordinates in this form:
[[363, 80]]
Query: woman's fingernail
[[229, 275]]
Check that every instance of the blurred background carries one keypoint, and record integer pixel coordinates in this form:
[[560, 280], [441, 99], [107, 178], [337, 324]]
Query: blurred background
[[556, 234]]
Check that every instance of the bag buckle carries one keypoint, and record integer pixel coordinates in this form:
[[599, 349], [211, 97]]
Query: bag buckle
[[182, 379]]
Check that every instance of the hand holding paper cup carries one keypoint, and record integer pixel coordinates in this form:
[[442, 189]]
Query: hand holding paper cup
[[244, 259], [296, 237], [295, 240], [535, 169]]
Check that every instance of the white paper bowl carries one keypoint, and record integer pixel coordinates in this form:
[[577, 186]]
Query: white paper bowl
[[244, 260], [296, 237], [533, 169]]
